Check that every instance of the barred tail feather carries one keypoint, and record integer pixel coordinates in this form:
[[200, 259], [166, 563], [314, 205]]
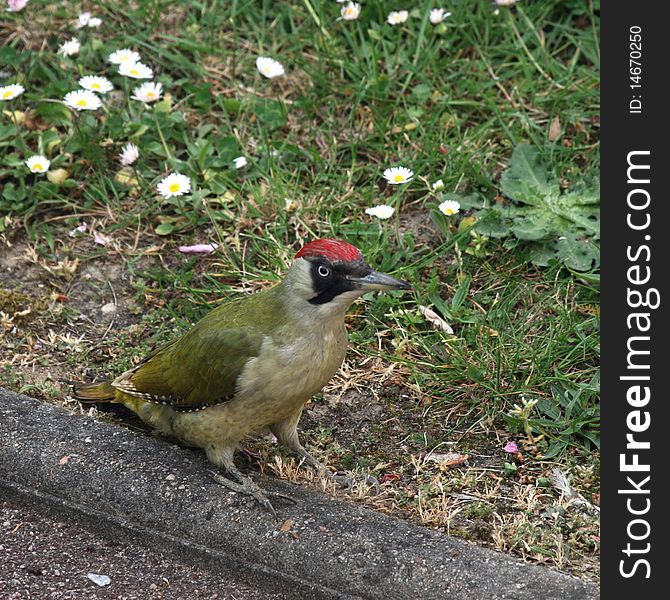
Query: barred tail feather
[[94, 392]]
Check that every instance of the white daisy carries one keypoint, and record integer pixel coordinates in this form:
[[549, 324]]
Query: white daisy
[[381, 211], [96, 84], [82, 100], [397, 175], [351, 11], [505, 2], [438, 185], [125, 55], [69, 48], [269, 67], [129, 154], [174, 184], [94, 22], [136, 70], [437, 15], [38, 164], [240, 162], [449, 207], [82, 20], [9, 92], [396, 17], [148, 92]]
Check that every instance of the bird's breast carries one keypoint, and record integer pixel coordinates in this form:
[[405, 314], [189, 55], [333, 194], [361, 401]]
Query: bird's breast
[[285, 376]]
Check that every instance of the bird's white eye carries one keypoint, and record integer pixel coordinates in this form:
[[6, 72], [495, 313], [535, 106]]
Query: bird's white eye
[[323, 271]]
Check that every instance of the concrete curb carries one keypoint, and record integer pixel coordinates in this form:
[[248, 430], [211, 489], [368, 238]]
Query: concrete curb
[[116, 482]]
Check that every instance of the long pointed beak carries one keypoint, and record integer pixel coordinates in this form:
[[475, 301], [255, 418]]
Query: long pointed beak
[[380, 281]]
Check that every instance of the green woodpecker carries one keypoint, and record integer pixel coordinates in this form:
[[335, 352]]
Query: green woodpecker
[[252, 363]]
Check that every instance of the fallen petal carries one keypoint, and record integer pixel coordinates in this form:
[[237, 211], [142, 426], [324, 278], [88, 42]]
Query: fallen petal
[[436, 320], [448, 459], [81, 229], [511, 448], [101, 238], [201, 248]]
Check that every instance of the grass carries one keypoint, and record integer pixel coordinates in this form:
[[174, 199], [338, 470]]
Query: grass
[[450, 102]]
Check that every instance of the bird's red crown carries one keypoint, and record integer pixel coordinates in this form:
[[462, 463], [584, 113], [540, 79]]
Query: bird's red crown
[[333, 250]]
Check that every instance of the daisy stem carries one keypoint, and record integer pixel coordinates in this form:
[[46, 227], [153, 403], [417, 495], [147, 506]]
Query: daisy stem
[[140, 178], [19, 133], [168, 154], [75, 122], [401, 245], [127, 96], [398, 201]]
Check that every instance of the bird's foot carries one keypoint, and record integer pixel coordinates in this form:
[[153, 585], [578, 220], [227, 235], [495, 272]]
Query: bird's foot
[[348, 482], [246, 486], [249, 454], [340, 479]]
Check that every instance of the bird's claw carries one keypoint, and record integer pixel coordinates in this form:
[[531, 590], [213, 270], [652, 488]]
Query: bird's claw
[[245, 486], [340, 479], [282, 497], [348, 482]]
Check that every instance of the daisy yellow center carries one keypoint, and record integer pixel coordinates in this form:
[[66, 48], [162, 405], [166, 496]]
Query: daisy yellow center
[[81, 102], [124, 57], [349, 11], [95, 86], [134, 72], [7, 94], [449, 211], [398, 178], [38, 167], [174, 187], [151, 95]]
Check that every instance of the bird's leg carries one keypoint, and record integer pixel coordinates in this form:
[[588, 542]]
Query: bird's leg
[[319, 467], [286, 432], [222, 456]]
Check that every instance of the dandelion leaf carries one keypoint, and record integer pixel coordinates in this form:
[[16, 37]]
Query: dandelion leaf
[[580, 254], [563, 226], [493, 223], [534, 224], [527, 179]]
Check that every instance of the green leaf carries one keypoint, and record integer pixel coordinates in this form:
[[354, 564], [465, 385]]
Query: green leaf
[[422, 92], [552, 226], [231, 106], [534, 225], [10, 56], [527, 178], [579, 254], [493, 223], [461, 292], [165, 228], [54, 113]]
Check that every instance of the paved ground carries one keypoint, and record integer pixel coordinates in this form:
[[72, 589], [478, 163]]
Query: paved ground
[[145, 491], [44, 558]]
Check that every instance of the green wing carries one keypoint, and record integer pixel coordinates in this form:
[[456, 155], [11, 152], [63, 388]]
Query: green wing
[[201, 368], [197, 371]]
